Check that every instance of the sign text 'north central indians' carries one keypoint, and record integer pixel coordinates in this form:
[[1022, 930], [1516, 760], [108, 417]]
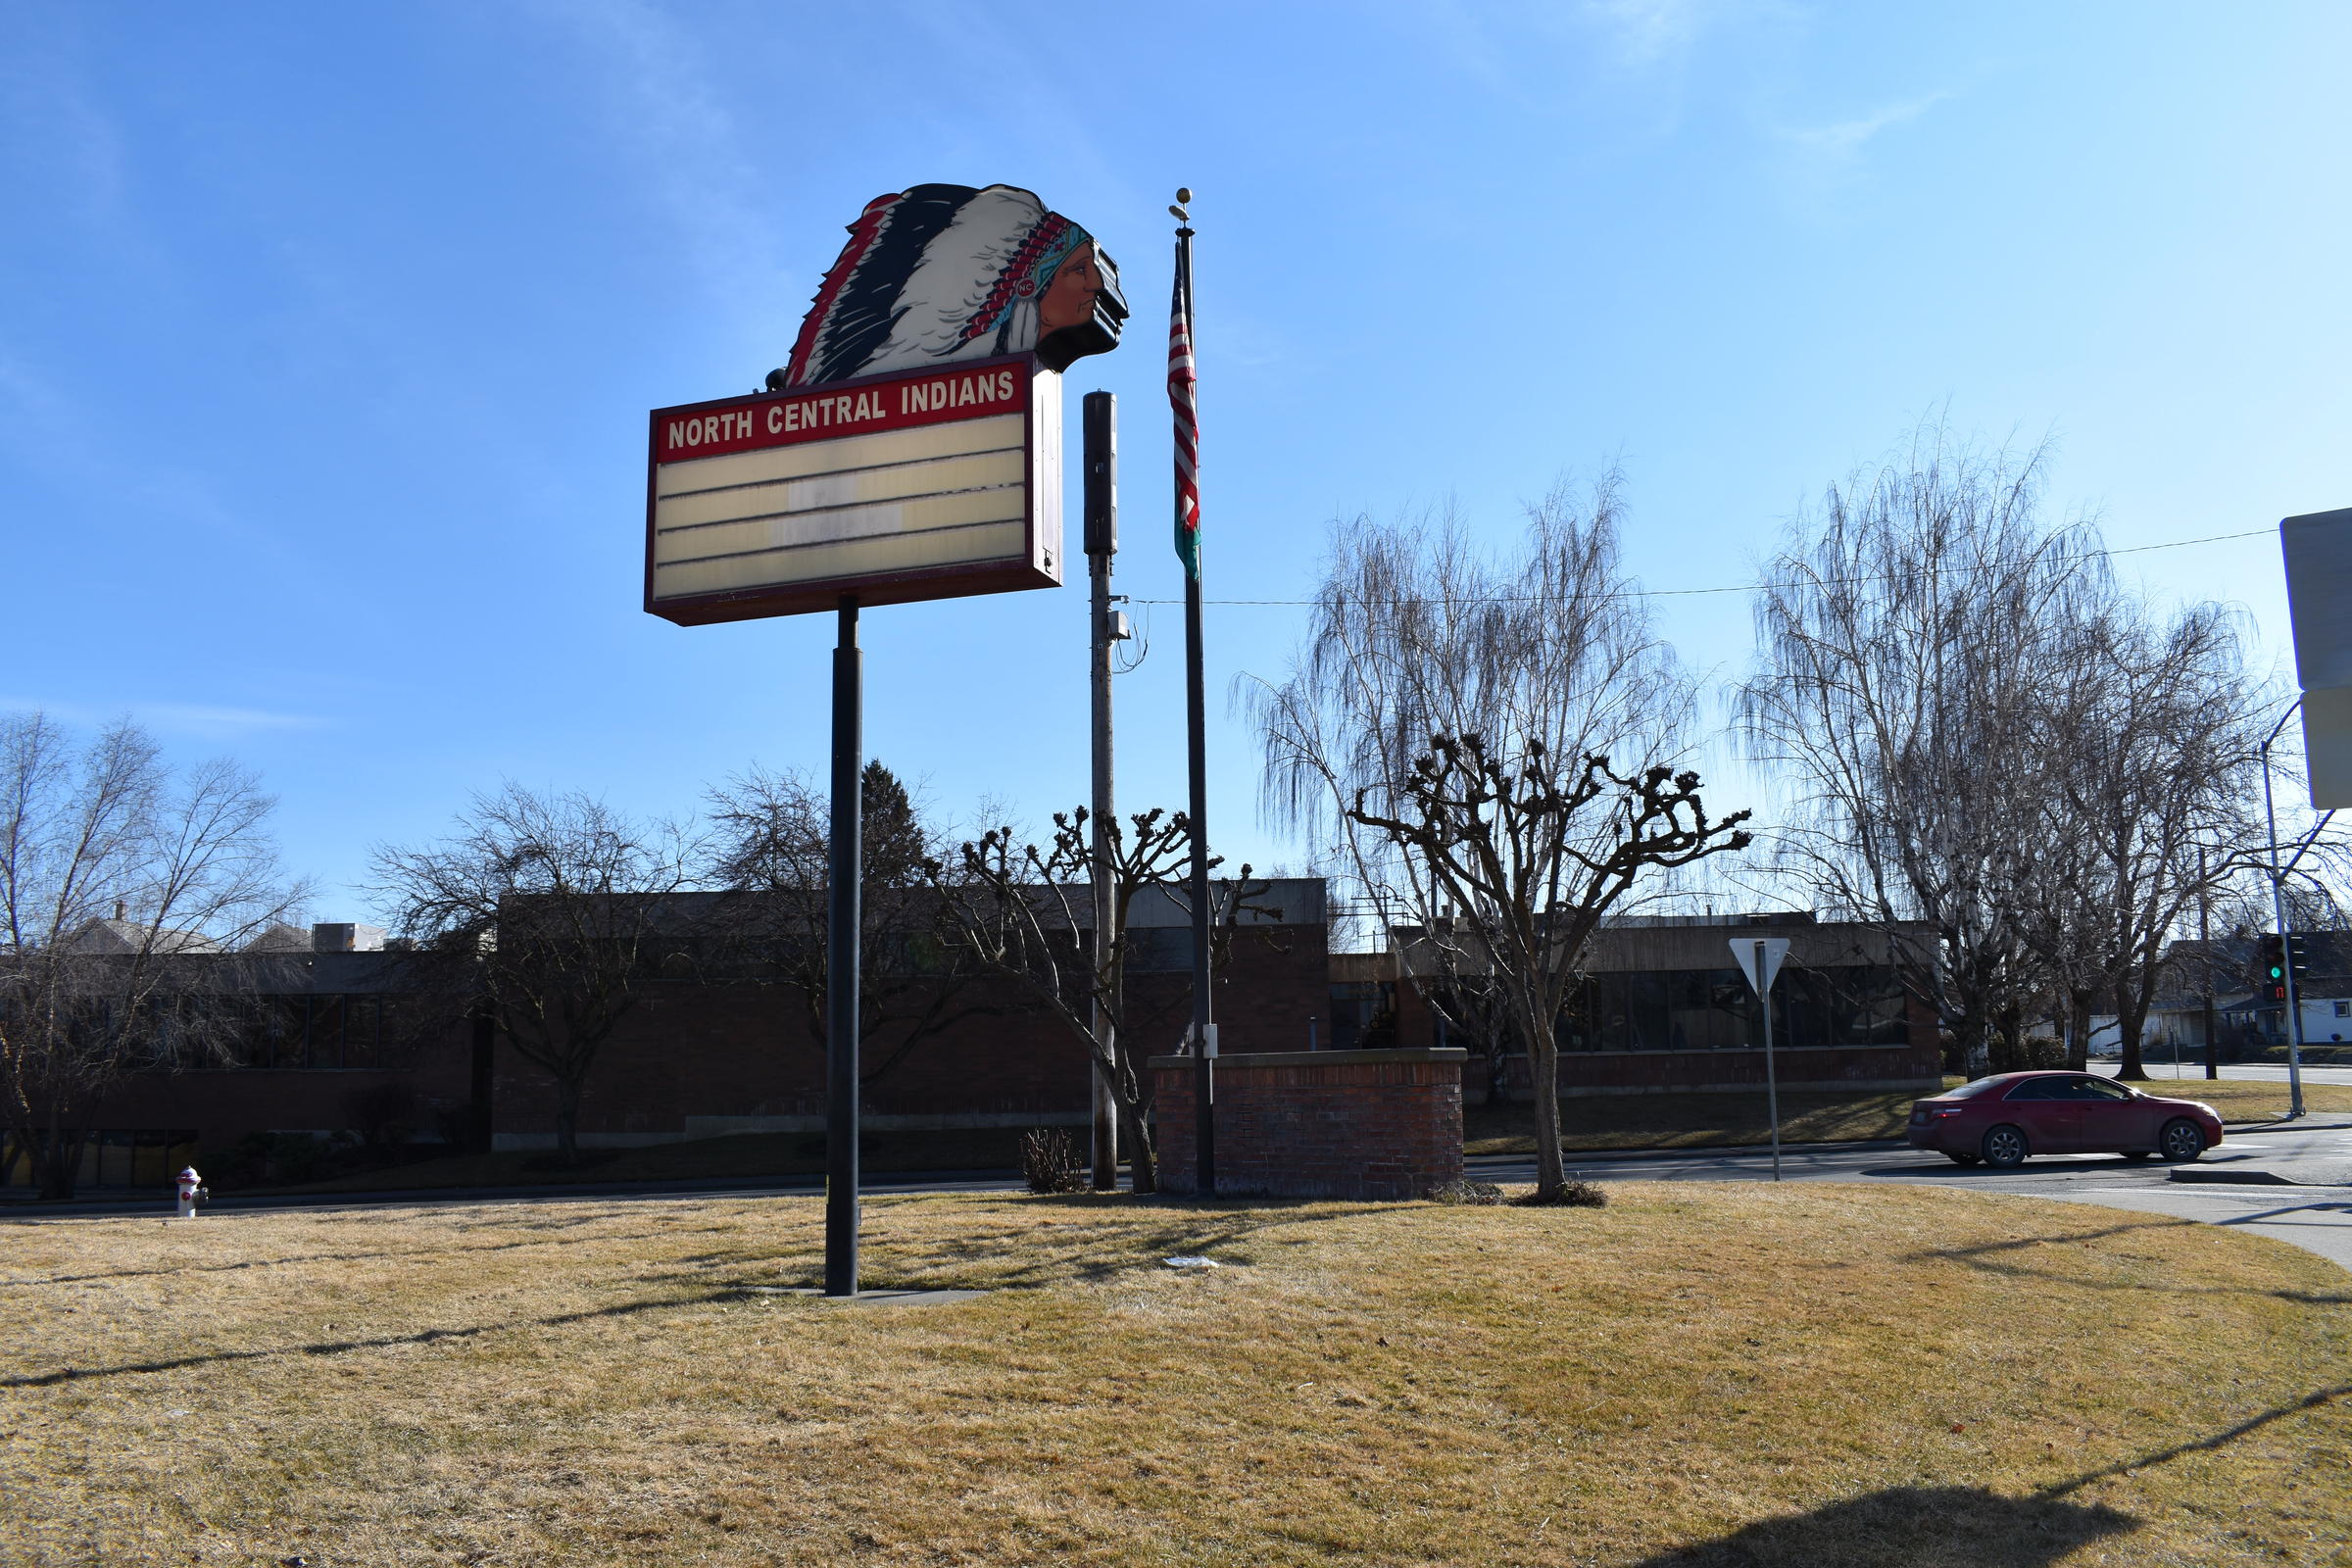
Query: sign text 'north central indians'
[[930, 485], [812, 416]]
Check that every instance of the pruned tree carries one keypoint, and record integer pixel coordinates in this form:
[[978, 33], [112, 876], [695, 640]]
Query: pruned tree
[[1027, 914], [553, 914], [1447, 734], [127, 888], [1536, 853], [771, 842]]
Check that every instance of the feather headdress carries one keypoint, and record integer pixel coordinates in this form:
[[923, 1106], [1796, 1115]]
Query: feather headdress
[[939, 273]]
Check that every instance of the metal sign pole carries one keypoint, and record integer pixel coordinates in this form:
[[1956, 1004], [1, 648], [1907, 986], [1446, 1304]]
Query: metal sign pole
[[844, 930], [1772, 1083], [1760, 960]]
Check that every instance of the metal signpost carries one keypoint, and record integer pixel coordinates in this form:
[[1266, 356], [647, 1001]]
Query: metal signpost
[[903, 454], [1759, 960]]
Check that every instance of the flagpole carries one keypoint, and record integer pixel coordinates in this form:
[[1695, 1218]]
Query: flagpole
[[1181, 381]]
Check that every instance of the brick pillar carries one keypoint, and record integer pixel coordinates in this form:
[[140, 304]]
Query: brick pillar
[[1366, 1124]]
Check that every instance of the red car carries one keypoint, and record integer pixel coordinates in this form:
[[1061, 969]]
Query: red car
[[2001, 1119]]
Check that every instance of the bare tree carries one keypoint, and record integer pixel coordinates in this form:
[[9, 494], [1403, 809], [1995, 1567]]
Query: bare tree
[[1985, 732], [1904, 636], [1027, 914], [773, 841], [2143, 749], [555, 914], [127, 888], [1448, 731]]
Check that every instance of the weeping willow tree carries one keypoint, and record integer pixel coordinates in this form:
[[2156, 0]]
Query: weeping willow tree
[[1983, 732], [1486, 743]]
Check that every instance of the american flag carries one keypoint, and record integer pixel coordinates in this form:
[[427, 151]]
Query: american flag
[[1181, 382]]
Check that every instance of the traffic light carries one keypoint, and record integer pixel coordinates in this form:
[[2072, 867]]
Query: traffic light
[[2269, 967], [2298, 956]]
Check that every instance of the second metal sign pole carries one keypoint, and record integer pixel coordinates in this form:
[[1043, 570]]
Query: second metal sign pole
[[844, 930]]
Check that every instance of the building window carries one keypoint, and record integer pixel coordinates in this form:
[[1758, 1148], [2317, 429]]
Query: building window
[[1363, 1014], [323, 1032], [2343, 1009], [143, 1157], [1713, 1009], [1159, 949]]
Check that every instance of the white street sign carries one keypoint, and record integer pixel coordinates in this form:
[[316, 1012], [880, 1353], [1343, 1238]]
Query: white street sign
[[1771, 950]]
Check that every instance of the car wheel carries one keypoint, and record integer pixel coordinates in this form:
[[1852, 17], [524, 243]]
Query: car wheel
[[2181, 1141], [2005, 1147], [1962, 1160]]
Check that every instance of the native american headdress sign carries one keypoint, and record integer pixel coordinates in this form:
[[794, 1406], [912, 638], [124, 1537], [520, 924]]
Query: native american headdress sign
[[911, 446], [945, 272]]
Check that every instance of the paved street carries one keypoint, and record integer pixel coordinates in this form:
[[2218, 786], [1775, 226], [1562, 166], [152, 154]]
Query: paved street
[[2319, 1218]]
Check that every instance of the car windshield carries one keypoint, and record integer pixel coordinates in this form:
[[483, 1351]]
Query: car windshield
[[1983, 1086]]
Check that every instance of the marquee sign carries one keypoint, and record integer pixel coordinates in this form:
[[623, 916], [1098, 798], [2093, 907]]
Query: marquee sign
[[892, 488], [911, 447]]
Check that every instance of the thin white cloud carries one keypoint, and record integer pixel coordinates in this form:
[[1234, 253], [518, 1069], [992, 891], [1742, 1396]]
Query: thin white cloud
[[202, 721], [691, 156], [1846, 137], [1821, 167], [1646, 30]]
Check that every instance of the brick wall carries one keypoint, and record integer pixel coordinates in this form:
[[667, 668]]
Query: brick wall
[[1369, 1124]]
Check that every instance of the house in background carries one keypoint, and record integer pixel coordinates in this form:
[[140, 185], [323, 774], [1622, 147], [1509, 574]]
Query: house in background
[[2247, 1024]]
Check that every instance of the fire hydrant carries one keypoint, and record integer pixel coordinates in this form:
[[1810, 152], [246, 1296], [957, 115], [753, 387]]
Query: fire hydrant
[[192, 1191]]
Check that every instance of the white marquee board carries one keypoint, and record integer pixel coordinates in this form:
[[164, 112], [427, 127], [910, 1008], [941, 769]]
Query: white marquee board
[[890, 489]]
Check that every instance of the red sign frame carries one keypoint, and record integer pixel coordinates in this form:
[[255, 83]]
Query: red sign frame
[[871, 404]]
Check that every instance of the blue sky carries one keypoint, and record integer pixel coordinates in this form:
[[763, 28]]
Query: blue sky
[[326, 335]]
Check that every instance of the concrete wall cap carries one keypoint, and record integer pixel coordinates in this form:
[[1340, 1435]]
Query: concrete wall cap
[[1321, 1058]]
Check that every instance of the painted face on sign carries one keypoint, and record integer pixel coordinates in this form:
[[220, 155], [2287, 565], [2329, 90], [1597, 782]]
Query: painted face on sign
[[1081, 310], [1070, 298]]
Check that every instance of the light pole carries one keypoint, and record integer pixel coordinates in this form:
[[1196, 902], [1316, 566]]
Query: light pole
[[2287, 941]]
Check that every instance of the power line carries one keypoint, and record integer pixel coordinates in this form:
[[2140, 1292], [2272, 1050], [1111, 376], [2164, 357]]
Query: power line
[[1740, 588]]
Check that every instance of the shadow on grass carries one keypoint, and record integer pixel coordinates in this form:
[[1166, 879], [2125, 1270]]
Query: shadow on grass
[[1906, 1525], [79, 1374], [1986, 1257], [377, 1256], [1159, 1227], [2204, 1445]]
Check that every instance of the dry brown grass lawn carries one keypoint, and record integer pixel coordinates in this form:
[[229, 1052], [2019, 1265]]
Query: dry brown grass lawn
[[1810, 1376], [1691, 1121], [2246, 1099]]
